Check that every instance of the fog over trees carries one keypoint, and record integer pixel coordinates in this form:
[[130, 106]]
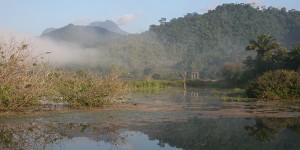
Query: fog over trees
[[204, 42]]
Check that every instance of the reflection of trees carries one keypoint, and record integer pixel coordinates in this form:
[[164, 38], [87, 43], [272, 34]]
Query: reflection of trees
[[296, 129], [194, 133], [43, 136], [224, 133], [27, 136], [267, 128], [261, 132], [207, 133]]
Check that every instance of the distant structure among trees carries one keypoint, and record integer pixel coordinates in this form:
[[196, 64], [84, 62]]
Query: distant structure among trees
[[195, 75]]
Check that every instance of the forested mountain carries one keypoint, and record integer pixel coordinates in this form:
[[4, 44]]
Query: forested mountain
[[221, 35], [204, 42]]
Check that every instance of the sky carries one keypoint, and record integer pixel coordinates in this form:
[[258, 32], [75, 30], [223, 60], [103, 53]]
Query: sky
[[32, 17]]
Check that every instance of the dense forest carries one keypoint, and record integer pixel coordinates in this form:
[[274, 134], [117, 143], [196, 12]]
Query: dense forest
[[221, 35], [204, 42]]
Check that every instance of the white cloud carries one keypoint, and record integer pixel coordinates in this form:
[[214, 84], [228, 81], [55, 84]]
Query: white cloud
[[122, 20], [256, 2], [211, 7]]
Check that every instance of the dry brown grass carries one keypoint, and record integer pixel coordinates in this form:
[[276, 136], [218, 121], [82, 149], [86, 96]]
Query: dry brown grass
[[88, 89], [24, 79], [21, 78]]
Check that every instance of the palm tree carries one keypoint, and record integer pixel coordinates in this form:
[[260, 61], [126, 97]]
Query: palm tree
[[263, 44]]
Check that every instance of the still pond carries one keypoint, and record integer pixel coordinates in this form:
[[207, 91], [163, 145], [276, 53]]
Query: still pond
[[169, 119]]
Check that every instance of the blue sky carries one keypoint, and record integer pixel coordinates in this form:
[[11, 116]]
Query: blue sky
[[33, 16]]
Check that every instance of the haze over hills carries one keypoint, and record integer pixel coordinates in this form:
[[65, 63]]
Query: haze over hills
[[85, 36], [204, 42], [48, 30], [109, 25]]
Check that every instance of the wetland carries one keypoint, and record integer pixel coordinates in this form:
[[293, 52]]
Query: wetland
[[158, 119]]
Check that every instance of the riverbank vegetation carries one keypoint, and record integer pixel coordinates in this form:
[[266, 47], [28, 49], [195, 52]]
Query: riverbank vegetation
[[274, 72], [279, 84], [25, 81], [22, 80], [87, 89], [154, 84]]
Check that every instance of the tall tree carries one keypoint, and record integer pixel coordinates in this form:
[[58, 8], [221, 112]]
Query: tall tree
[[264, 43], [270, 56]]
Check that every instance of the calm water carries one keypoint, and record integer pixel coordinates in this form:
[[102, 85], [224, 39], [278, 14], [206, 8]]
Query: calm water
[[163, 120]]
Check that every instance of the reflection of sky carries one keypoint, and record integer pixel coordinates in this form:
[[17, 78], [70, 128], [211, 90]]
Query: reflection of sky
[[133, 141]]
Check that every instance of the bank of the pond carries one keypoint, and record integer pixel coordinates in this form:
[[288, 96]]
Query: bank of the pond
[[166, 103], [154, 84]]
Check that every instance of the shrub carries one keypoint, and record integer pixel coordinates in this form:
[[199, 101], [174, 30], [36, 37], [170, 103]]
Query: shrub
[[279, 84], [24, 81], [21, 78], [231, 71], [87, 89]]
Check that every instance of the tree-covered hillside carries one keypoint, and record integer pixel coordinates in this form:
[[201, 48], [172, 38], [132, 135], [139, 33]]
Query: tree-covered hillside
[[221, 35], [203, 42]]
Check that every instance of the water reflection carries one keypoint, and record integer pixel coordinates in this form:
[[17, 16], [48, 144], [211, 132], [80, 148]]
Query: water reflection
[[195, 133], [46, 136], [266, 129], [225, 133], [164, 120]]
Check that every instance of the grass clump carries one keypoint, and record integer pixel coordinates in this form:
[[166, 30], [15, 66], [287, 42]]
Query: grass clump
[[88, 89], [153, 84], [279, 84]]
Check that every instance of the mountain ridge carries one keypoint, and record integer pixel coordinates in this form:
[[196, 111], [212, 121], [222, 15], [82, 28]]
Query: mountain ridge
[[109, 25], [203, 42], [85, 36]]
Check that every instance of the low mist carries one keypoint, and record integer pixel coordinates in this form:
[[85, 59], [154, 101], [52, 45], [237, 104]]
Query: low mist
[[58, 54], [66, 54]]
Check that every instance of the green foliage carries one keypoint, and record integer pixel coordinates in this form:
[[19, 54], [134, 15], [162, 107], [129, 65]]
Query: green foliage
[[218, 36], [270, 57], [263, 44], [141, 84], [153, 84], [156, 76], [231, 71], [148, 71], [279, 84], [293, 59]]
